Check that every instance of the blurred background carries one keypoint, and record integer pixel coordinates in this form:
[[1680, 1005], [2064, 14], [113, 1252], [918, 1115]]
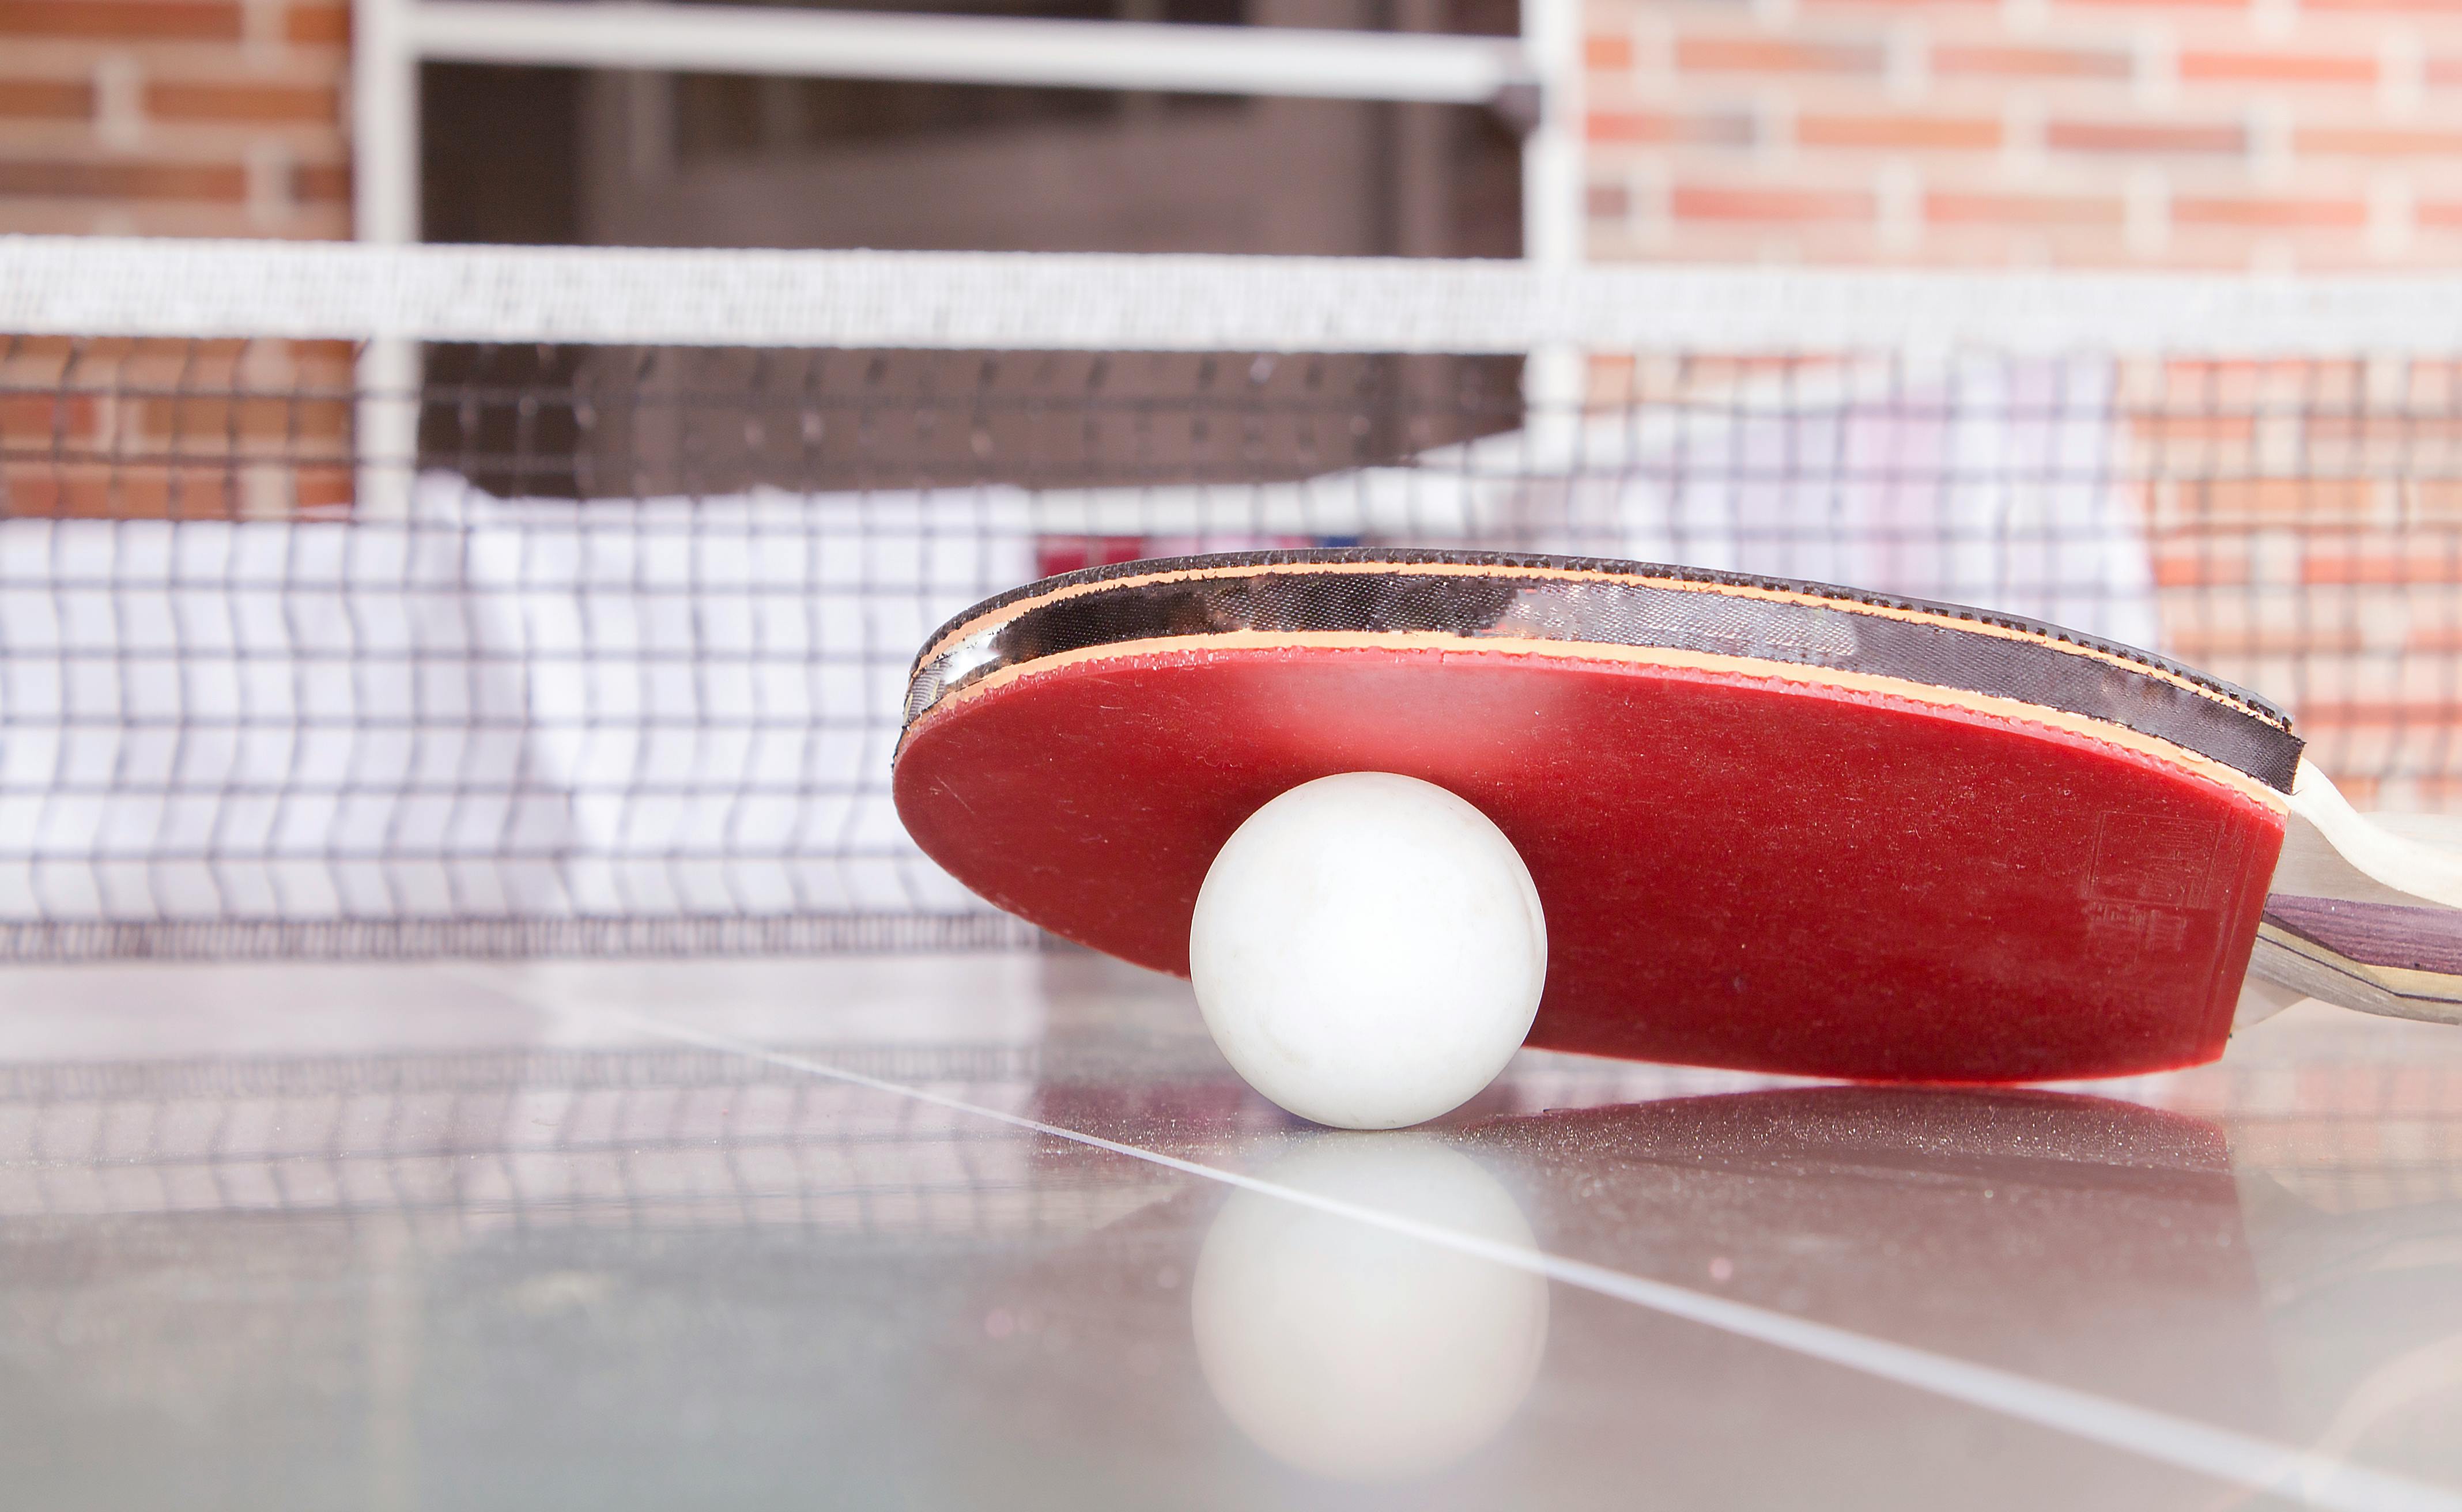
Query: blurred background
[[519, 725], [2219, 134]]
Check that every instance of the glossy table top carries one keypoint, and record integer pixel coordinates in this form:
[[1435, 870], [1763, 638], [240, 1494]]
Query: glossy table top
[[1004, 1230]]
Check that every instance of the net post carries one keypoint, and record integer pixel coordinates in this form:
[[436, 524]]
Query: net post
[[385, 146], [385, 438], [384, 123], [1553, 212], [1552, 209]]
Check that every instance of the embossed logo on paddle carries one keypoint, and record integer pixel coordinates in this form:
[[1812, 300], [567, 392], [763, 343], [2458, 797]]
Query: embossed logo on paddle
[[2151, 882]]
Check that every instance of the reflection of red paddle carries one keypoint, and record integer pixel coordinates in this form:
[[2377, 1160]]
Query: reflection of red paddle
[[1773, 825]]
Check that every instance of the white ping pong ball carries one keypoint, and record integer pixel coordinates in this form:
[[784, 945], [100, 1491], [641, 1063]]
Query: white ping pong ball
[[1368, 950]]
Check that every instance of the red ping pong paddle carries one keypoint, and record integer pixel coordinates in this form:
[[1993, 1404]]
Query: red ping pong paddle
[[1777, 826]]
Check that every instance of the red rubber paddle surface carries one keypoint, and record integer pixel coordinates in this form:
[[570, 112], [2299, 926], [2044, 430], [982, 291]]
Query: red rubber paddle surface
[[1767, 875]]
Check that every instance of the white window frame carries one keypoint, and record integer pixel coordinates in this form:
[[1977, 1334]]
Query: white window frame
[[390, 38]]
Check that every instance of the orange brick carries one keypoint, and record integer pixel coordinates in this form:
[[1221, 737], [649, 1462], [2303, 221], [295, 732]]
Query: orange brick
[[2282, 501], [1699, 203], [321, 490], [2191, 426], [318, 25], [1708, 54], [321, 183], [1606, 51], [44, 100], [2384, 430], [1733, 130], [2205, 646], [2031, 62], [2200, 210], [225, 183], [222, 421], [36, 419], [2377, 569], [38, 349], [1961, 208], [334, 359], [2200, 569], [2143, 137], [2431, 500], [257, 103], [111, 491], [205, 218], [122, 20], [1630, 125], [2440, 215], [2276, 68], [2370, 141], [2443, 643], [1934, 132]]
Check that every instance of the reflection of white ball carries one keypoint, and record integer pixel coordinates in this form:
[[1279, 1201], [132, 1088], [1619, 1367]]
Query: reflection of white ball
[[1355, 1352], [1368, 950]]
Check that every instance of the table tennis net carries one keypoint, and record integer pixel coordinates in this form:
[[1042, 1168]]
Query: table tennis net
[[362, 644]]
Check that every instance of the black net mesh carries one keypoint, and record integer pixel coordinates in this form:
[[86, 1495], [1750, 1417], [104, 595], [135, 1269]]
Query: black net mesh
[[310, 647]]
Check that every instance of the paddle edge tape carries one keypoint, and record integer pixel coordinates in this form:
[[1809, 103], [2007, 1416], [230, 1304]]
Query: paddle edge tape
[[1583, 608], [1850, 685]]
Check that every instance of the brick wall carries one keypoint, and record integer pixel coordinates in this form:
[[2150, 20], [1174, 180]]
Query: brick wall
[[2302, 516], [2189, 133], [2211, 133], [173, 117], [177, 117], [2307, 532]]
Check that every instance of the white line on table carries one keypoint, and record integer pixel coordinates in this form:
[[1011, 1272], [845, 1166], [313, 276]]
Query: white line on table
[[2277, 1469]]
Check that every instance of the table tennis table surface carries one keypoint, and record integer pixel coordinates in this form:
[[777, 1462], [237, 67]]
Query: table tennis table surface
[[1004, 1230]]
